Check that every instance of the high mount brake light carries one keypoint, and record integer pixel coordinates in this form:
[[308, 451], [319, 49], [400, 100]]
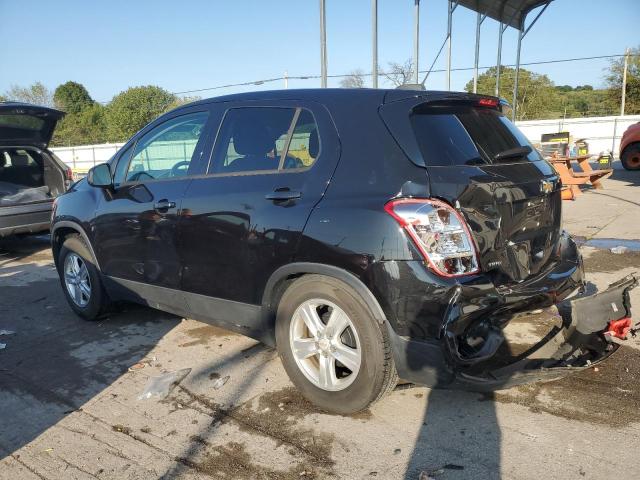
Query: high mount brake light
[[488, 102], [439, 232]]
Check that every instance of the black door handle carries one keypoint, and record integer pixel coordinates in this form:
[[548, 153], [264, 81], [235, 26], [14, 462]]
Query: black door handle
[[164, 205], [283, 194]]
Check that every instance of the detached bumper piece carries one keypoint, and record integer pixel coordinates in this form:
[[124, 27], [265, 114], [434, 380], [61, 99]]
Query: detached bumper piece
[[592, 329]]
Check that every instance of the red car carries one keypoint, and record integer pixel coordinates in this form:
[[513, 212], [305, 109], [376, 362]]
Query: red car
[[630, 147]]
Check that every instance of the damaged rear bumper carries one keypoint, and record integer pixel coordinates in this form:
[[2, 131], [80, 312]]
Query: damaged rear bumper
[[579, 342]]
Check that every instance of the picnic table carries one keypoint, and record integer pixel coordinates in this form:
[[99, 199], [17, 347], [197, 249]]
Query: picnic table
[[572, 179]]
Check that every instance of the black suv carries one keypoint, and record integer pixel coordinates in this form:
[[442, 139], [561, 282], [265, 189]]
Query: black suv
[[370, 235]]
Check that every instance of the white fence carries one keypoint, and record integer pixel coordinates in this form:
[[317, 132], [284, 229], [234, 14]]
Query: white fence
[[602, 134]]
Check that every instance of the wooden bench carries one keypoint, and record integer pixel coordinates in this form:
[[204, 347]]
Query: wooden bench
[[572, 179]]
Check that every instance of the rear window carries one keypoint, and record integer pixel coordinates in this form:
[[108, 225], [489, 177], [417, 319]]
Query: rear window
[[26, 122], [466, 136]]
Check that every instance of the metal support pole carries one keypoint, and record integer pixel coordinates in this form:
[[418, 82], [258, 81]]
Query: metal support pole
[[286, 79], [479, 19], [624, 82], [514, 106], [500, 32], [416, 39], [449, 24], [374, 49], [323, 45]]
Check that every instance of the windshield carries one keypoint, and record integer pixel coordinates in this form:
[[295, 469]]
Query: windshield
[[468, 136]]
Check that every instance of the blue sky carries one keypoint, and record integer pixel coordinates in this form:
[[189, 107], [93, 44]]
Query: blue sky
[[111, 45]]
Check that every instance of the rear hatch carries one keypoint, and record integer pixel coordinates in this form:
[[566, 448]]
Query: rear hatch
[[480, 163], [23, 124]]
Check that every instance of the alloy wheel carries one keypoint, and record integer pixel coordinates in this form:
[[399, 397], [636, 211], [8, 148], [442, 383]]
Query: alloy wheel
[[77, 280], [325, 344]]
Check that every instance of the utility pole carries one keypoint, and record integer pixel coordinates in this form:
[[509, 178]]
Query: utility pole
[[323, 45], [624, 81], [374, 41], [286, 79], [416, 39]]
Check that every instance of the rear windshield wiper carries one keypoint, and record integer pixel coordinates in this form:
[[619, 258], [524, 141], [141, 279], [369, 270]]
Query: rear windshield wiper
[[516, 152]]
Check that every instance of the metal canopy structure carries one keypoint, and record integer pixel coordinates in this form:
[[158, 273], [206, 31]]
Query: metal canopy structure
[[511, 13], [508, 13]]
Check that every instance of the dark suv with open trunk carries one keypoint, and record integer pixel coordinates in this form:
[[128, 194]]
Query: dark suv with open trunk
[[370, 234], [31, 176]]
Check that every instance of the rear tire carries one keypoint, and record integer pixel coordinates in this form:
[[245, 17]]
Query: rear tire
[[630, 158], [346, 330], [80, 279]]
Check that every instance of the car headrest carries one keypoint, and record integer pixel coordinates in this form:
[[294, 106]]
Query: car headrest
[[314, 143], [252, 138], [20, 160]]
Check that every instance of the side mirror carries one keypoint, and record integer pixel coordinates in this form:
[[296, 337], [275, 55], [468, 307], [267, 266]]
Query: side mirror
[[100, 176]]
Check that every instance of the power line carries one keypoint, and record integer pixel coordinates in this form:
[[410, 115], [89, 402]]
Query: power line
[[368, 74]]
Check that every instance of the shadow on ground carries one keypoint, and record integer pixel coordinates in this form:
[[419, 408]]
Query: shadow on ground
[[55, 362]]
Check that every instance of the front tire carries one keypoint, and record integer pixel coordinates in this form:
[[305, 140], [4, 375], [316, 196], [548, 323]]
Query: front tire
[[630, 158], [334, 351], [80, 279]]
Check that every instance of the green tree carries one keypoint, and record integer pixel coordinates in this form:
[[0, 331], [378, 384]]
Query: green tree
[[37, 94], [613, 77], [537, 95], [132, 109], [72, 97], [83, 128], [179, 101]]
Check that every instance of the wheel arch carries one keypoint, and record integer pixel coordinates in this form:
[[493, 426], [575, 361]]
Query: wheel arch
[[635, 143], [285, 275], [62, 230]]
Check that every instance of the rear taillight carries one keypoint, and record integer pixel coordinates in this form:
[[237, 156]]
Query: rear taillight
[[488, 102], [439, 232]]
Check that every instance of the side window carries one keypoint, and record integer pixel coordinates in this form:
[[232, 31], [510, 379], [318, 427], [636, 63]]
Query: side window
[[121, 167], [305, 143], [166, 151], [265, 139]]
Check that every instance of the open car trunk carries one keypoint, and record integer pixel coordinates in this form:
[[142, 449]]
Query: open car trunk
[[28, 175]]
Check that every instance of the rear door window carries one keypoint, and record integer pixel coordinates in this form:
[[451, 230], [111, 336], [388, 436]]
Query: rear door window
[[450, 136], [255, 140]]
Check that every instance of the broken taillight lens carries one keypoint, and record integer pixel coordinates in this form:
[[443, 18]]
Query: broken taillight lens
[[439, 232]]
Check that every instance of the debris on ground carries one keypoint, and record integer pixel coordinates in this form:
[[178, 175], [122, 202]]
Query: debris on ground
[[430, 475], [159, 387], [619, 249], [7, 332], [142, 364], [219, 383], [434, 472], [137, 366], [121, 428]]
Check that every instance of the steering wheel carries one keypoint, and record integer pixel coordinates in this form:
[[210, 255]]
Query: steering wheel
[[136, 176], [177, 170]]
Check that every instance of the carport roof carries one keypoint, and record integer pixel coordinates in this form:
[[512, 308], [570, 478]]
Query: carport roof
[[509, 12]]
